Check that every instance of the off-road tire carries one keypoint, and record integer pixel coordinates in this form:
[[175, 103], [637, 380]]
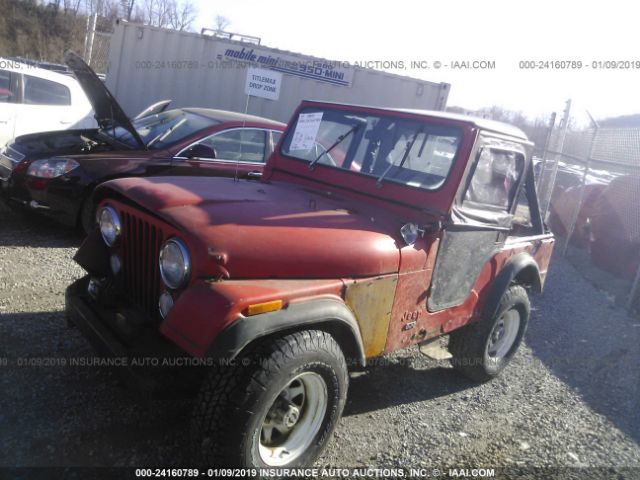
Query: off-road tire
[[229, 410], [468, 345]]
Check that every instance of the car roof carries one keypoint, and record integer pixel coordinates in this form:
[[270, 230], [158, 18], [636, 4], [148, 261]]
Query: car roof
[[228, 116], [481, 123], [19, 67]]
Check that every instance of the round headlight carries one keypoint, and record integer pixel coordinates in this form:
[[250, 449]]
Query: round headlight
[[175, 264], [110, 226]]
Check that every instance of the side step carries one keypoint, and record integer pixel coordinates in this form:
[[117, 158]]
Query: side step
[[435, 349]]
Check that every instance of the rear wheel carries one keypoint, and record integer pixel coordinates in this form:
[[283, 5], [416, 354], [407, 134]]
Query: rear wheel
[[481, 350], [277, 407]]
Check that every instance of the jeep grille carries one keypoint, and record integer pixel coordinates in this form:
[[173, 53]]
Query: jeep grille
[[141, 243]]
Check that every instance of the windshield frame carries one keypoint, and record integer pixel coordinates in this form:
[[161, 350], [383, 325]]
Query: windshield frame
[[423, 125], [407, 201]]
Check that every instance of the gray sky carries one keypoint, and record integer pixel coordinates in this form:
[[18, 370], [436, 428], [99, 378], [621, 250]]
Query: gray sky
[[463, 30]]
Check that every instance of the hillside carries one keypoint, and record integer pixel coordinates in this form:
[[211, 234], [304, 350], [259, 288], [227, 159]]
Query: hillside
[[40, 32]]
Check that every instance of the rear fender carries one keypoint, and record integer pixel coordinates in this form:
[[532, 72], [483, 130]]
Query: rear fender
[[523, 269]]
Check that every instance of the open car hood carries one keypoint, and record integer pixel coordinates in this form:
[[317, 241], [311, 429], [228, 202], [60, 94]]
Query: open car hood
[[108, 112]]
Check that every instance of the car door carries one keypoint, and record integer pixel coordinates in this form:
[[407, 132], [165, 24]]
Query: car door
[[8, 105], [238, 152], [46, 106], [480, 222]]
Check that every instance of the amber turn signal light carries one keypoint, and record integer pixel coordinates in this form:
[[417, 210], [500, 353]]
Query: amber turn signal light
[[265, 307]]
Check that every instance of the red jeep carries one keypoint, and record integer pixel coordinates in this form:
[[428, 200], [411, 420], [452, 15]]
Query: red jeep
[[372, 230]]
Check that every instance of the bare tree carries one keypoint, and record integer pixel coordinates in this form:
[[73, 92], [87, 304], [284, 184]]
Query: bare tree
[[72, 6], [127, 8], [221, 22], [182, 16], [179, 15], [109, 10]]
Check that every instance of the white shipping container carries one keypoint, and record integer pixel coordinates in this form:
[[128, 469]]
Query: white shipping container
[[148, 64]]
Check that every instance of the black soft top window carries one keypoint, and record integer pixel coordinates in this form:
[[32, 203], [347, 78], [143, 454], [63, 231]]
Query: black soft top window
[[494, 181]]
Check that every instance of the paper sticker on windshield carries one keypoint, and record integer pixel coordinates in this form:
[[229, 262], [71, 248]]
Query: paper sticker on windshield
[[304, 137]]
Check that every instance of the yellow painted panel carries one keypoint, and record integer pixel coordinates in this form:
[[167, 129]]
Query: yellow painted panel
[[371, 302]]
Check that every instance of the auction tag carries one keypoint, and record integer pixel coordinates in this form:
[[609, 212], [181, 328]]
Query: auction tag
[[304, 136]]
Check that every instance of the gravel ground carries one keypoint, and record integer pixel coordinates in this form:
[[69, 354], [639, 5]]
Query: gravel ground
[[570, 398]]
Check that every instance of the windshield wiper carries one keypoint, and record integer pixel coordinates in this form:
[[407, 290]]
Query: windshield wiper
[[167, 132], [336, 143], [407, 149]]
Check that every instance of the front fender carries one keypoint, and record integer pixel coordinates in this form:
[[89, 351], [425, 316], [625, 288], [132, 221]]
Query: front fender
[[325, 314], [209, 318]]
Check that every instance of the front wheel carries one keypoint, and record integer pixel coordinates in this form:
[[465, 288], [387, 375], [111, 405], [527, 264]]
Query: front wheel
[[481, 350], [276, 407]]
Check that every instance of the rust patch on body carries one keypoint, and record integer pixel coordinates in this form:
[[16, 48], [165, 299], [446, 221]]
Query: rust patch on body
[[371, 302]]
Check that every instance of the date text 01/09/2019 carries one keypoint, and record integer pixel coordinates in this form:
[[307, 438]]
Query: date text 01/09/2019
[[579, 65]]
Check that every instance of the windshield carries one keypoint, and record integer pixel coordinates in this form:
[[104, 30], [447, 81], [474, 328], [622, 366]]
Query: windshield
[[391, 149], [163, 129]]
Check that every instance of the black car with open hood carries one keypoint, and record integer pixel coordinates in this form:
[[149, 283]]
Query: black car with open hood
[[108, 112], [55, 172]]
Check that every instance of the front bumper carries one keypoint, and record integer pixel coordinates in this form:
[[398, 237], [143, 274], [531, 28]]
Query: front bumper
[[149, 362], [81, 313], [54, 198]]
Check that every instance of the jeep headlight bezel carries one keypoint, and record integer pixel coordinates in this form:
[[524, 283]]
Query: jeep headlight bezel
[[110, 225], [175, 263]]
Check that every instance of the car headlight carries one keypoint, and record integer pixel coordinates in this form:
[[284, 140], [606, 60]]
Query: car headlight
[[110, 226], [175, 264], [51, 167]]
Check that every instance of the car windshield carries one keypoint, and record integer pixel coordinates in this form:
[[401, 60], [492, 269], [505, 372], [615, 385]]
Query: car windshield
[[163, 129], [391, 149]]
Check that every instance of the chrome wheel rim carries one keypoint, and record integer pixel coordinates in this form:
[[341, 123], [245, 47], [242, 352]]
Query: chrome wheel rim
[[293, 419], [503, 335]]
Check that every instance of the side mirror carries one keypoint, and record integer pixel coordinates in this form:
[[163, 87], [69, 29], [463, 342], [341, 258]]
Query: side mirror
[[201, 151]]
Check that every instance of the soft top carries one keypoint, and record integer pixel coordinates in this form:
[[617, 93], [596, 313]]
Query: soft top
[[482, 123]]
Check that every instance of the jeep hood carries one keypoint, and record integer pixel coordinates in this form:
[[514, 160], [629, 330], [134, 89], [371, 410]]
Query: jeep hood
[[107, 110], [268, 230]]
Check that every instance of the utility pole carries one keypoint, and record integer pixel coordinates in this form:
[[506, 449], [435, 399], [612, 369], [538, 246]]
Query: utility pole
[[91, 24], [545, 154]]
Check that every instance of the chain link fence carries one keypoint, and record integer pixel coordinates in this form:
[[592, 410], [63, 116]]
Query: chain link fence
[[99, 60], [589, 186], [97, 41]]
